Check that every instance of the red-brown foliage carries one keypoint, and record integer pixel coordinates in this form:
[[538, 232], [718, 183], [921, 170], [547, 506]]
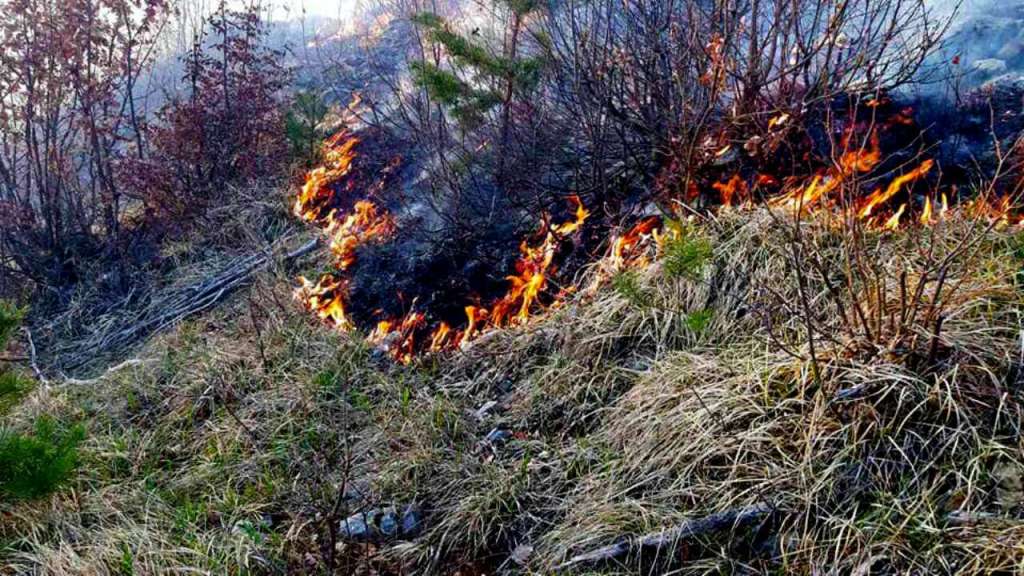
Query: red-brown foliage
[[227, 128], [68, 73]]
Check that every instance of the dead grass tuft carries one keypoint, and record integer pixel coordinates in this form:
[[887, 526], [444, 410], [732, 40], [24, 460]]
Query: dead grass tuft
[[229, 449]]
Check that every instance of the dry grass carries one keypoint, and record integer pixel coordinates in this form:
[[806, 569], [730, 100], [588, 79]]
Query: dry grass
[[226, 449]]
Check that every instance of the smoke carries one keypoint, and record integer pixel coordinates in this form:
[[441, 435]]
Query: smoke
[[985, 42]]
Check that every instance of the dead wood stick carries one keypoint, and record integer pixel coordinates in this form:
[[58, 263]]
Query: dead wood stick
[[669, 537], [32, 357], [191, 300]]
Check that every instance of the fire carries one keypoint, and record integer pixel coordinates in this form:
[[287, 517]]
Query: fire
[[623, 247], [474, 315], [926, 214], [862, 159], [526, 286], [532, 271], [313, 202], [531, 286], [380, 332], [367, 222], [736, 187], [325, 298], [893, 223], [853, 161], [778, 121], [880, 197], [439, 339], [803, 198], [859, 160], [999, 211]]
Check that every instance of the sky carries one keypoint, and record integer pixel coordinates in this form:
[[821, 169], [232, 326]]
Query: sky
[[340, 9]]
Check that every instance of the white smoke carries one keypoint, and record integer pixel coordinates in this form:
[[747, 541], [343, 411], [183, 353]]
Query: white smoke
[[986, 38]]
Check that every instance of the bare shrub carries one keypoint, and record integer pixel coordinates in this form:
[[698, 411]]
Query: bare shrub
[[226, 129], [68, 115]]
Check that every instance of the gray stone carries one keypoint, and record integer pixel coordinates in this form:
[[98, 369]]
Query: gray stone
[[382, 524], [990, 66], [521, 555], [482, 412], [497, 436]]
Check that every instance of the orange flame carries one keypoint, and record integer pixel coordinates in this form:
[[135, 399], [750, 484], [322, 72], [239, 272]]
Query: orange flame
[[325, 298], [880, 197], [735, 187], [356, 229], [859, 160], [366, 222], [532, 269], [623, 247], [777, 121], [926, 213], [313, 204], [316, 194], [893, 223], [439, 339], [474, 315]]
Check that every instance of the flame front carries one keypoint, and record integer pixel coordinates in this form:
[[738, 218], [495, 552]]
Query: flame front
[[532, 271], [878, 197], [530, 289], [314, 200], [859, 160], [366, 222], [325, 298], [624, 252], [345, 233]]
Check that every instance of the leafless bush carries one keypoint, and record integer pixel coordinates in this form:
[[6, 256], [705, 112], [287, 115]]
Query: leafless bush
[[879, 298], [640, 97], [68, 114], [649, 84]]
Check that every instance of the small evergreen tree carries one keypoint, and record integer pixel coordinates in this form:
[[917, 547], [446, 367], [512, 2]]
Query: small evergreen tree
[[12, 384], [303, 127], [31, 465], [477, 79], [479, 82]]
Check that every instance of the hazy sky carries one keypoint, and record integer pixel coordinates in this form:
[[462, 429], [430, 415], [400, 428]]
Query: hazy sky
[[332, 8]]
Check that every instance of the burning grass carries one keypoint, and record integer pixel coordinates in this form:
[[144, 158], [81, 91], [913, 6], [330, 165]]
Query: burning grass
[[322, 201], [678, 391], [875, 176]]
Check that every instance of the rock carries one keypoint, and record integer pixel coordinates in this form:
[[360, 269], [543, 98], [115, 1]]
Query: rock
[[990, 66], [1011, 50], [381, 524], [1009, 485], [498, 436], [482, 412]]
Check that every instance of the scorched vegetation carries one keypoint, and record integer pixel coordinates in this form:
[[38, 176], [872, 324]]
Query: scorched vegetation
[[509, 287]]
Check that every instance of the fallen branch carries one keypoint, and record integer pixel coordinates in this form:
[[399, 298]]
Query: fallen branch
[[113, 369], [180, 305], [671, 536], [32, 357]]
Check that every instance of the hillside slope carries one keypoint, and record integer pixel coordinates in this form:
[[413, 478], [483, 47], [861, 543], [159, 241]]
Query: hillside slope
[[680, 395]]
